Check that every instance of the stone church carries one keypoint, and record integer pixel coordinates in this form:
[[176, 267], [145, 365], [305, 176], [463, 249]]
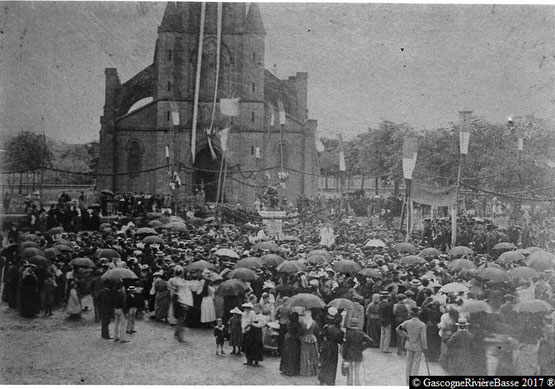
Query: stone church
[[141, 143]]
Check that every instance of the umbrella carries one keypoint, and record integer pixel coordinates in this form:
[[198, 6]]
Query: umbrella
[[106, 253], [475, 306], [271, 260], [374, 273], [374, 243], [454, 287], [504, 246], [248, 263], [318, 258], [30, 251], [305, 300], [63, 248], [85, 262], [153, 239], [468, 273], [55, 230], [107, 192], [155, 223], [62, 241], [226, 253], [266, 246], [200, 265], [243, 274], [523, 272], [493, 274], [540, 260], [28, 244], [459, 251], [322, 253], [175, 225], [430, 252], [39, 261], [347, 266], [27, 237], [52, 253], [412, 260], [180, 229], [146, 231], [511, 257], [405, 248], [10, 249], [533, 249], [341, 303], [231, 288], [533, 306], [119, 273], [459, 264], [285, 290], [290, 267]]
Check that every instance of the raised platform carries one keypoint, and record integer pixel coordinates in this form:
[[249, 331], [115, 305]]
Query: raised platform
[[273, 221]]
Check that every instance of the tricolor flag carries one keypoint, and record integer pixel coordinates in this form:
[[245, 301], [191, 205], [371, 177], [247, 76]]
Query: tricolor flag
[[410, 152], [229, 107], [223, 138], [342, 165], [281, 113], [209, 133]]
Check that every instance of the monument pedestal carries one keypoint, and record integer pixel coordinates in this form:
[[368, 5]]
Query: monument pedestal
[[273, 222]]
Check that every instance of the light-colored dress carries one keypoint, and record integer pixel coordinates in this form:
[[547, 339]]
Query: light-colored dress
[[74, 304], [207, 308]]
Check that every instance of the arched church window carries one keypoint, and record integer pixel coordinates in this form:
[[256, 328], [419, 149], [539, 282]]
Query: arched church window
[[134, 158]]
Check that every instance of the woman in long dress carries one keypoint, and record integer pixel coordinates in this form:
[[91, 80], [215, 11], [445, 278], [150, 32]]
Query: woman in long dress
[[207, 308], [74, 307], [161, 299], [291, 353], [332, 337], [309, 346], [29, 292]]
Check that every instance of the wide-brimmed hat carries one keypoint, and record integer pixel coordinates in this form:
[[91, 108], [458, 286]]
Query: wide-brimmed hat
[[248, 305], [236, 310], [158, 273], [273, 325], [415, 282], [462, 321], [131, 289], [268, 285], [332, 311]]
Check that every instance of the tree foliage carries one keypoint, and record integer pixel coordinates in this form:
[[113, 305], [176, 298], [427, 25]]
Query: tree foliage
[[27, 151]]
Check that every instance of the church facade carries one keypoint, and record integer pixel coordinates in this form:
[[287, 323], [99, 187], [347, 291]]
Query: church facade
[[142, 149]]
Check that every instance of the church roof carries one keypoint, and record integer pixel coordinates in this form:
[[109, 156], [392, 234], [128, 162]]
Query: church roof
[[254, 24]]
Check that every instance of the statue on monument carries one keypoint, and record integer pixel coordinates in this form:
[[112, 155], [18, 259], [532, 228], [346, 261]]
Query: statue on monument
[[271, 198]]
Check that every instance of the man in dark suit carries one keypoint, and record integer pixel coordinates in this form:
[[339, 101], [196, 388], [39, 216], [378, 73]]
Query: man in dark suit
[[106, 309]]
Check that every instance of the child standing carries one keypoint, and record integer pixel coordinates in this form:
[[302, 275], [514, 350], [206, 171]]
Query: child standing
[[219, 333], [235, 331]]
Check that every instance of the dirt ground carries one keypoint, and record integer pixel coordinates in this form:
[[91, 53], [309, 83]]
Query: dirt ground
[[56, 351]]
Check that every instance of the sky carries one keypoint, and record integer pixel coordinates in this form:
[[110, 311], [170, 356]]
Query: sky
[[408, 63]]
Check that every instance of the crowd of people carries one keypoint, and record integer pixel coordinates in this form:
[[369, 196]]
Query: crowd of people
[[420, 298]]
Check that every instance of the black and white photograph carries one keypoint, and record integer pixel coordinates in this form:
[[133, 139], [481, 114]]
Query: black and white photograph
[[276, 193]]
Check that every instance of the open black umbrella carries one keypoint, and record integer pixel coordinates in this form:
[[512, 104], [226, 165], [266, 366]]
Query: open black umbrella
[[119, 273], [84, 262], [231, 287], [107, 192]]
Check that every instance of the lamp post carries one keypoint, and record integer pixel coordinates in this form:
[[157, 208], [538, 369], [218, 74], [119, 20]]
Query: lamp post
[[464, 140]]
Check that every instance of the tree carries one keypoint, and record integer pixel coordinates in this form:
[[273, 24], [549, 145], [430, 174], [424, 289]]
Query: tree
[[26, 152]]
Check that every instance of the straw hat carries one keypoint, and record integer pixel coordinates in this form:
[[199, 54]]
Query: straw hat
[[236, 310], [248, 305]]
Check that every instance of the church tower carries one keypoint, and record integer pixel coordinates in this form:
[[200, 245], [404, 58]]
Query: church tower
[[135, 141]]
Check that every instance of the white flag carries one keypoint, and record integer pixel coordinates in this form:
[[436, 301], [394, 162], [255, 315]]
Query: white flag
[[174, 114], [229, 107], [257, 152], [223, 138], [272, 116]]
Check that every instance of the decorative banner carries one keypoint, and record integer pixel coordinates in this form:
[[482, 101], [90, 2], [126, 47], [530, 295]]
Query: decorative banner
[[229, 107], [520, 144], [410, 152], [464, 131], [223, 138], [209, 133], [342, 165], [281, 109], [443, 196], [197, 83], [257, 152], [167, 152]]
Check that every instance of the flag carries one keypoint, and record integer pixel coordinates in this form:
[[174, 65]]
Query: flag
[[272, 116], [175, 181], [229, 107], [209, 133], [464, 131], [281, 113], [410, 151], [257, 152], [174, 114], [342, 166], [223, 138], [319, 145]]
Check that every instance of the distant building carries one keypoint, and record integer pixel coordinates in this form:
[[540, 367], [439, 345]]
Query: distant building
[[133, 140]]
